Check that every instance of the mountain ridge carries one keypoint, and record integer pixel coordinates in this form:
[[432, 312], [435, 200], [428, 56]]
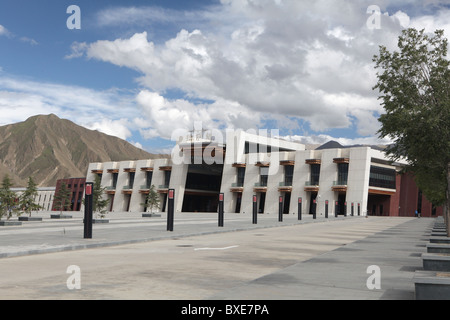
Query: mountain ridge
[[48, 148]]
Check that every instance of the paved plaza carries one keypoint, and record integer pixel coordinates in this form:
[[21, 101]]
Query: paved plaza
[[132, 257]]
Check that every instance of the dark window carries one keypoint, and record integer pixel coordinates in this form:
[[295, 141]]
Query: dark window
[[288, 175], [240, 176], [149, 179], [263, 174], [131, 180], [382, 177], [167, 177], [204, 177], [262, 148], [342, 173], [315, 174]]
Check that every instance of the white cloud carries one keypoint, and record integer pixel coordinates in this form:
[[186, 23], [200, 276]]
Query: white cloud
[[117, 128], [163, 116], [77, 50], [9, 34], [3, 30], [29, 40], [256, 61], [106, 111], [324, 138]]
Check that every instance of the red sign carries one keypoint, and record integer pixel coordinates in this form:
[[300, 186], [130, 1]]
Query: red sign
[[326, 201], [299, 200], [281, 199], [254, 198], [170, 194], [221, 197], [88, 189]]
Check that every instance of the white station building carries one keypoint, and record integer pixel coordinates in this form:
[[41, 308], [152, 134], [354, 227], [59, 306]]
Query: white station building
[[358, 180]]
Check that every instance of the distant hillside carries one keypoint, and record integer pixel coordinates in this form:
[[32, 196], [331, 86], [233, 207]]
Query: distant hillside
[[48, 148]]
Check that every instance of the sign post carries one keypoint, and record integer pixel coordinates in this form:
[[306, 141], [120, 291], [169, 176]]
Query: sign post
[[170, 206], [314, 208], [336, 208], [280, 209], [88, 210], [300, 208], [326, 209], [255, 214], [220, 209]]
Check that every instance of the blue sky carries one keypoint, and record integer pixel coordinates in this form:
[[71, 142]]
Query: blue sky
[[140, 70]]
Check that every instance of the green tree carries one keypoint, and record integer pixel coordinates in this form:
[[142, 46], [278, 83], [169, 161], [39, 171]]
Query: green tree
[[99, 204], [414, 84], [62, 198], [152, 199], [7, 199], [27, 199]]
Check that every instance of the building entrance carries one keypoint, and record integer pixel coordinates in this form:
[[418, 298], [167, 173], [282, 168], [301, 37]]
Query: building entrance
[[378, 205], [202, 188], [200, 202]]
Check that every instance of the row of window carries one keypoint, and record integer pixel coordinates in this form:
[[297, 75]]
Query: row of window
[[379, 176]]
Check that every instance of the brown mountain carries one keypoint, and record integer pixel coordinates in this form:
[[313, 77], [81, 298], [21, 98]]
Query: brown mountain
[[48, 148]]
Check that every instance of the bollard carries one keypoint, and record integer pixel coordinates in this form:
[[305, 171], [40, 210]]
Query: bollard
[[220, 209], [170, 207], [345, 208], [326, 209], [280, 209], [336, 209], [314, 208], [359, 209], [88, 210], [300, 208], [351, 211], [255, 214]]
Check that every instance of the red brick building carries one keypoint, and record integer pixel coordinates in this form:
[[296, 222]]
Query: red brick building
[[407, 199], [76, 187]]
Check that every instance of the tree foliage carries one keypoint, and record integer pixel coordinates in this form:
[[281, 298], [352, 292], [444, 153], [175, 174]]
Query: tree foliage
[[152, 199], [62, 198], [98, 202], [27, 199], [7, 199], [414, 84]]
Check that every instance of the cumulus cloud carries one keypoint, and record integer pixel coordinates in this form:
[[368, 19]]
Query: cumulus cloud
[[117, 128], [254, 61], [320, 139], [106, 111], [164, 115]]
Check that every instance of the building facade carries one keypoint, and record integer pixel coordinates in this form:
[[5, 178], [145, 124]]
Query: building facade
[[356, 180], [44, 196], [76, 191]]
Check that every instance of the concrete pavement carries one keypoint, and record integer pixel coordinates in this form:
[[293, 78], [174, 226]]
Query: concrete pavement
[[54, 235], [136, 258]]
